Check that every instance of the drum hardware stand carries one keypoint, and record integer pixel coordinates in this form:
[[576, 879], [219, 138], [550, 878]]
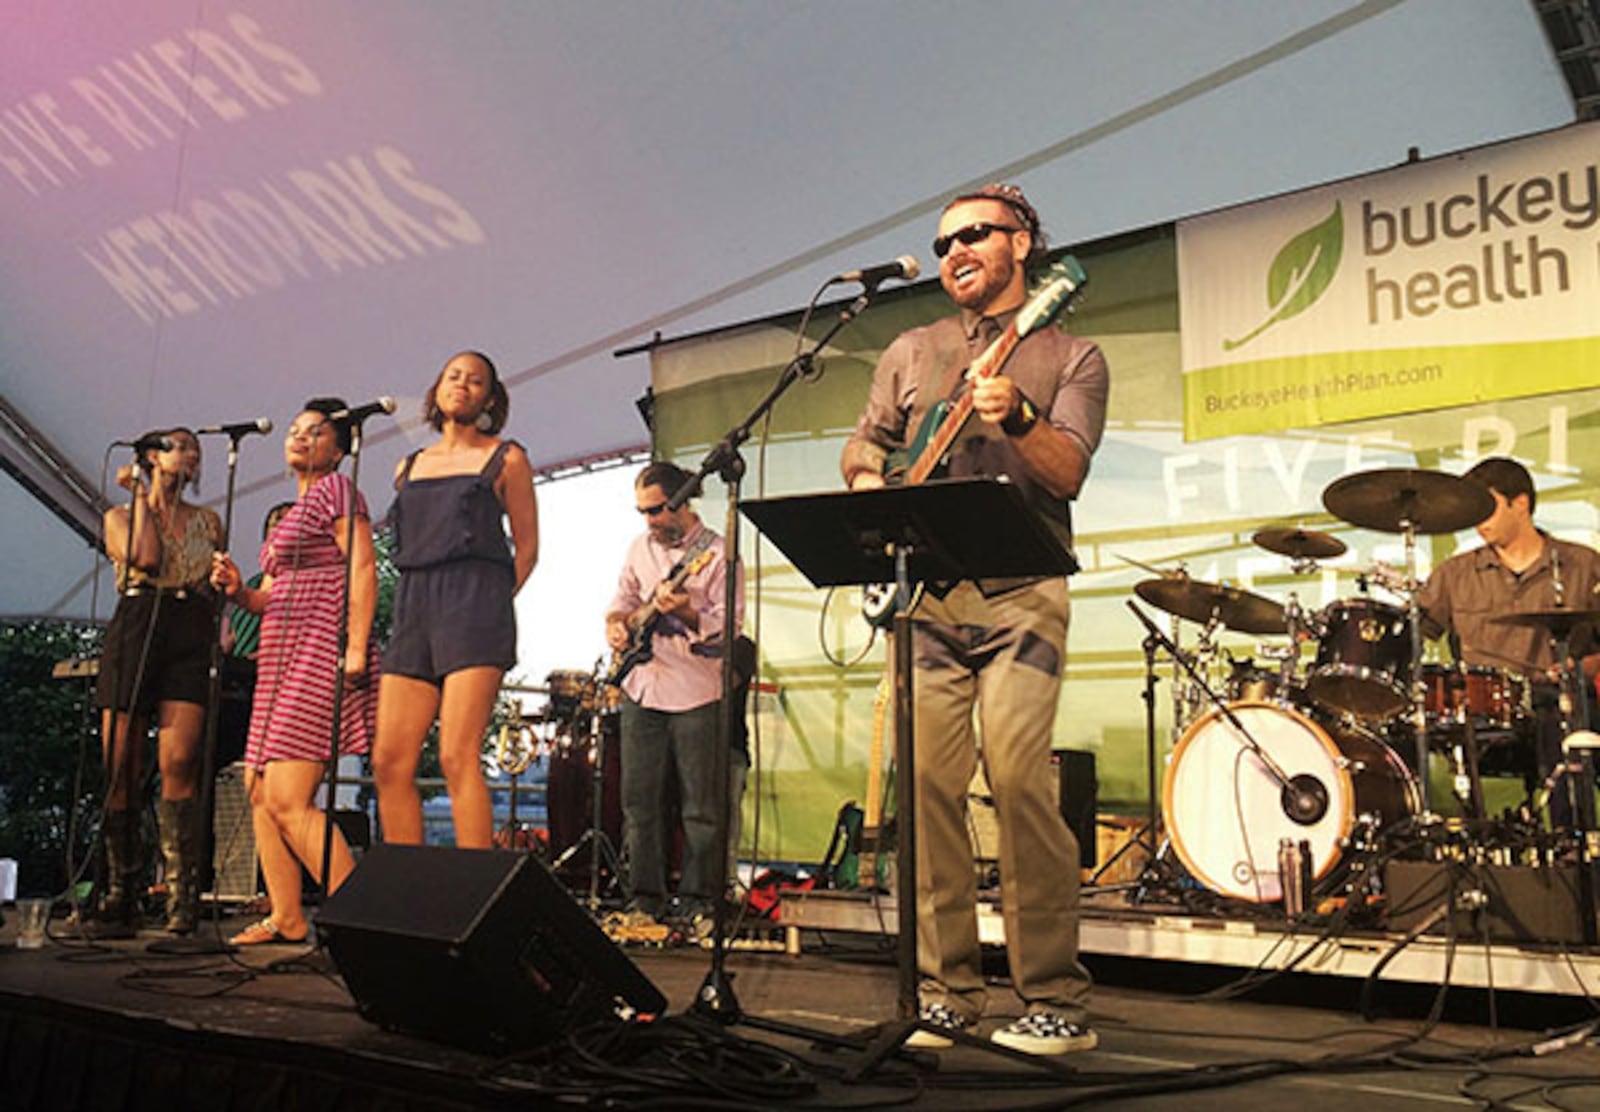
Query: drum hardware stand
[[1179, 696], [1464, 760], [1294, 623], [602, 852], [1147, 835], [514, 761]]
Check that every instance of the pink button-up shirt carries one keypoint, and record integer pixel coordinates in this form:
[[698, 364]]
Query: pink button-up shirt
[[685, 669]]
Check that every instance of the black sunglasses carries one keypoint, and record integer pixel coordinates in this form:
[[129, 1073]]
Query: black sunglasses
[[652, 511], [970, 235]]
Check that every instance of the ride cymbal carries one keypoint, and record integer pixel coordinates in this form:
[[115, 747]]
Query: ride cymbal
[[1389, 499], [1300, 544], [1197, 601]]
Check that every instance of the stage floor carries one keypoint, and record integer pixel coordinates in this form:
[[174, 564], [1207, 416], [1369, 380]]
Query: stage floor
[[125, 1025]]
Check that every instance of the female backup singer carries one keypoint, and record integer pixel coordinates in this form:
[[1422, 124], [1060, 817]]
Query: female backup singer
[[157, 659], [454, 633], [301, 600]]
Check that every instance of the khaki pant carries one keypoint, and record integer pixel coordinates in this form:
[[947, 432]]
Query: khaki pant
[[1002, 657]]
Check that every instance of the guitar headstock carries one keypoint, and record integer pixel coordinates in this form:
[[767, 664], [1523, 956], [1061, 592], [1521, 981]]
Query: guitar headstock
[[1057, 286]]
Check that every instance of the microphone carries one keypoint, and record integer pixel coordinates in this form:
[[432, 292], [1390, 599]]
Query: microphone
[[359, 413], [904, 269], [238, 429], [145, 443]]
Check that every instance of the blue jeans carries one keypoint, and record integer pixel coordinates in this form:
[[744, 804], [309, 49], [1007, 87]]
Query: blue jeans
[[652, 742]]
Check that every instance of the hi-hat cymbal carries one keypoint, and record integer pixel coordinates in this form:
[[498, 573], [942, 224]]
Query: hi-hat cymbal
[[1558, 620], [1390, 498], [1300, 544], [1200, 602]]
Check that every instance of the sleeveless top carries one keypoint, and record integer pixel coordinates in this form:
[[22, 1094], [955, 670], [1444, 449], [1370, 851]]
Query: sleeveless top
[[449, 517], [185, 557]]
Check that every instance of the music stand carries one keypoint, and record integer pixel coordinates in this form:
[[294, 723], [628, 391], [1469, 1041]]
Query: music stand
[[939, 531]]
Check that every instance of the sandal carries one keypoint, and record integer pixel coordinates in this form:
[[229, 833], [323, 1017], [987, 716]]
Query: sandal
[[264, 933]]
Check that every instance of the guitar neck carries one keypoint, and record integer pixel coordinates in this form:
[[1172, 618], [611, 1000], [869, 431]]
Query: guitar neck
[[987, 365], [873, 811]]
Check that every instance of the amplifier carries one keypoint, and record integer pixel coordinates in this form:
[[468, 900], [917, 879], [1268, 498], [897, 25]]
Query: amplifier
[[1072, 785], [233, 849]]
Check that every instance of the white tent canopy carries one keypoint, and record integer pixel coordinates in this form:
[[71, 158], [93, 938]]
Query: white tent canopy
[[211, 212]]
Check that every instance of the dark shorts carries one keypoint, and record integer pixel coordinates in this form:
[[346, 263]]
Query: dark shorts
[[177, 663], [452, 616]]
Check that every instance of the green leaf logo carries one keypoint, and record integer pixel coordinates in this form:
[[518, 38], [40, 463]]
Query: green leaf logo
[[1301, 273]]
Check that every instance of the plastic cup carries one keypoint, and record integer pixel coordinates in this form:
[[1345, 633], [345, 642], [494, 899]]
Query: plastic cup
[[32, 915]]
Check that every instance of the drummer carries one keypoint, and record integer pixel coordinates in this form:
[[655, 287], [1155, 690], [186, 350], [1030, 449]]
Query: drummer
[[1518, 568]]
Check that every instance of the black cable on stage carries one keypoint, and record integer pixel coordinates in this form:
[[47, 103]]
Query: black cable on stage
[[680, 1061]]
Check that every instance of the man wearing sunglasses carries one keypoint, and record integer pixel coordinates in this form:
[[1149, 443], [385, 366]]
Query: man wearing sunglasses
[[670, 598], [996, 649]]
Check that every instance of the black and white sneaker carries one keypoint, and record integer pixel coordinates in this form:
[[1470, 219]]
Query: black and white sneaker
[[939, 1017], [1044, 1032]]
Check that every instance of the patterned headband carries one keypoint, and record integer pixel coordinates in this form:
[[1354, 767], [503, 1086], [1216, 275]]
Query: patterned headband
[[1009, 195]]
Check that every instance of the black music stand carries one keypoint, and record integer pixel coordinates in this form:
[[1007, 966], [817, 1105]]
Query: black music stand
[[939, 531]]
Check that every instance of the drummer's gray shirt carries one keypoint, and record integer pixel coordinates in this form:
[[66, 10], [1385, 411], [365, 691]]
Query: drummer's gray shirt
[[1469, 590]]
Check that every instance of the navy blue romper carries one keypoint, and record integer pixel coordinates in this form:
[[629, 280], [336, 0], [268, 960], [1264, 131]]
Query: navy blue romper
[[452, 606]]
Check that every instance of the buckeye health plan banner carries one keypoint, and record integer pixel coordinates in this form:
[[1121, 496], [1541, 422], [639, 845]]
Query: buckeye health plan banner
[[1468, 278]]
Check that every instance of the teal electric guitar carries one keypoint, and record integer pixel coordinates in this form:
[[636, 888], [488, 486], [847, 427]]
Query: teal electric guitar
[[936, 435]]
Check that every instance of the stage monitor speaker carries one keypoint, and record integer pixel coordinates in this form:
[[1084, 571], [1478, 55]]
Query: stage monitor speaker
[[478, 948]]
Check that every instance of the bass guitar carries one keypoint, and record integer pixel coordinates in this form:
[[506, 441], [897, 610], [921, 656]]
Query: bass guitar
[[643, 621], [936, 435]]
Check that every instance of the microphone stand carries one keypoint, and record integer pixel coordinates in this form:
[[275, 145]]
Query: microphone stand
[[335, 734], [715, 998], [208, 737], [117, 766]]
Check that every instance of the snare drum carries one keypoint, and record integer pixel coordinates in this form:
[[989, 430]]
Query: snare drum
[[1363, 660], [1249, 682], [1225, 811], [1488, 697]]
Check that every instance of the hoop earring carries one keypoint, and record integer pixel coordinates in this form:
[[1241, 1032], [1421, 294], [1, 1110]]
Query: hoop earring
[[485, 420]]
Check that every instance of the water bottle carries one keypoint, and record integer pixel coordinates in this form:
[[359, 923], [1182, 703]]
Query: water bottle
[[1291, 878]]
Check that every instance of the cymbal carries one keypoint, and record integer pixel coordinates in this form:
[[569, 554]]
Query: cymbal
[[1300, 544], [1386, 499], [1199, 602], [1559, 620]]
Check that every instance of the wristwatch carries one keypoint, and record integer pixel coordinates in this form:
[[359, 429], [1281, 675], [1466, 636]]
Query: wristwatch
[[1020, 419]]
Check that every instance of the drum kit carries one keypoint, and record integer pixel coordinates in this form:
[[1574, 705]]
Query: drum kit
[[576, 732], [1321, 758]]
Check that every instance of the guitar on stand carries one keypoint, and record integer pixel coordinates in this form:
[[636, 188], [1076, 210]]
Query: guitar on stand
[[873, 828], [936, 435]]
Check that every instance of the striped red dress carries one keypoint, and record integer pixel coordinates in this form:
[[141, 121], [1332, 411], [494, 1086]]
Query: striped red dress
[[292, 717]]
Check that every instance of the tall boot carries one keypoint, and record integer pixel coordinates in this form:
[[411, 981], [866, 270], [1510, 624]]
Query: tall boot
[[180, 849], [117, 914]]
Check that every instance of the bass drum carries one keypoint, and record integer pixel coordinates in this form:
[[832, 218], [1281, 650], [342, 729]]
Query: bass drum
[[1225, 812]]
